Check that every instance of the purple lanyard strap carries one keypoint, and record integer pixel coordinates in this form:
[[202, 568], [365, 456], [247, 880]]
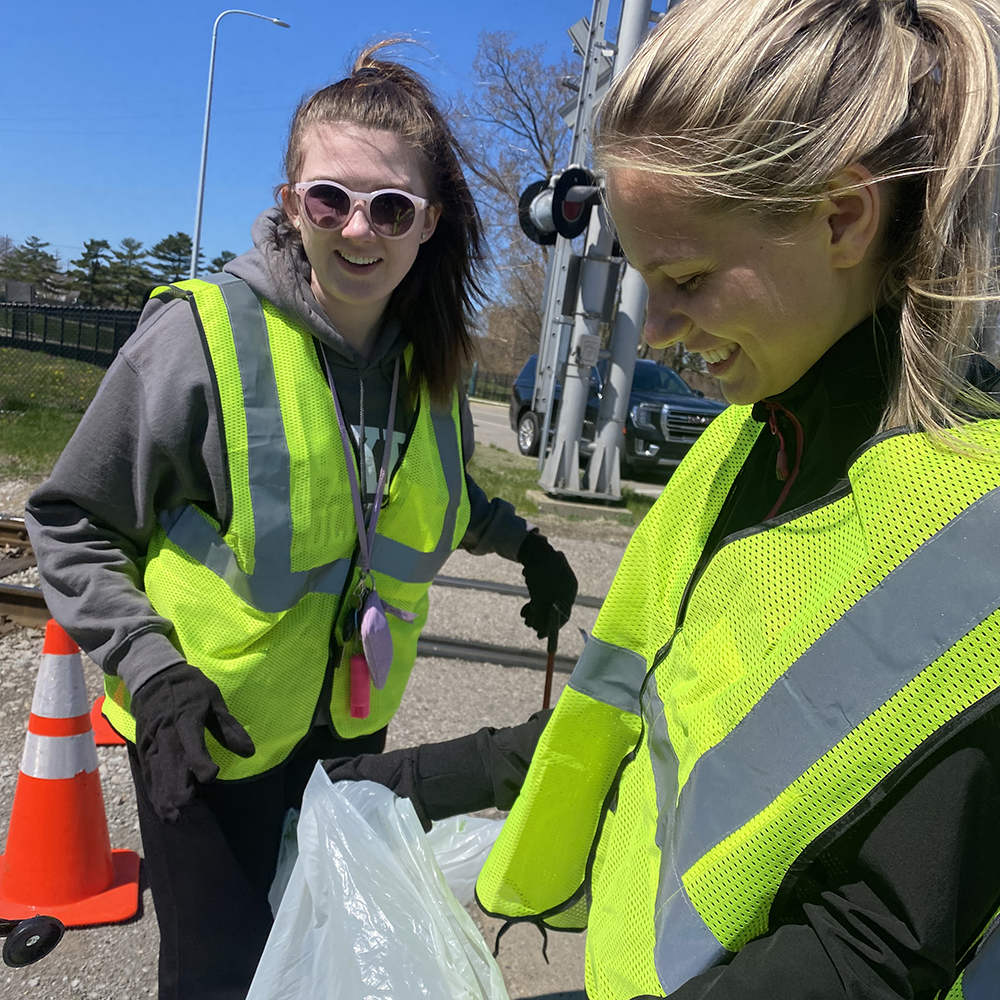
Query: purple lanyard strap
[[366, 538]]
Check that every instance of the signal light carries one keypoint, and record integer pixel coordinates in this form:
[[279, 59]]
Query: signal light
[[558, 206]]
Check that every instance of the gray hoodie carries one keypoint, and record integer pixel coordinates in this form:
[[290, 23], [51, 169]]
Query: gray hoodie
[[150, 441]]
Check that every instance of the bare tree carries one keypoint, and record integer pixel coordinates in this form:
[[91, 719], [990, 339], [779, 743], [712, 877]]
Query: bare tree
[[512, 127]]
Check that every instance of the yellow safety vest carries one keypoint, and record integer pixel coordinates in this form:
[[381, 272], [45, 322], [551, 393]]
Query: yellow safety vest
[[255, 608], [724, 715]]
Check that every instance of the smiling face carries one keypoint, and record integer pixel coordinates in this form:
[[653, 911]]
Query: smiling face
[[354, 270], [760, 308]]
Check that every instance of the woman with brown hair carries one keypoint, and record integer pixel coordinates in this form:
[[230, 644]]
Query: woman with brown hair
[[244, 528]]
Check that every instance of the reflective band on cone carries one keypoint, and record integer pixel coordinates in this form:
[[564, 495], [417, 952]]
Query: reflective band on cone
[[58, 858]]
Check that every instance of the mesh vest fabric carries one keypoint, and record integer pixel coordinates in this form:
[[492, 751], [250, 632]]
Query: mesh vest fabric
[[539, 862], [270, 665], [666, 906]]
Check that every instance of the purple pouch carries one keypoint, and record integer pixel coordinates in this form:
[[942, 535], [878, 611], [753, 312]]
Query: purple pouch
[[376, 639]]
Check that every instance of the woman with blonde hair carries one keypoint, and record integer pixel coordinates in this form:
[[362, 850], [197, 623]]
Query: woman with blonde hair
[[775, 771]]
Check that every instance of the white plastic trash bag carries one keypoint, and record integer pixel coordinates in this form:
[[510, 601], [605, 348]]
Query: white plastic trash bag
[[460, 847], [367, 914]]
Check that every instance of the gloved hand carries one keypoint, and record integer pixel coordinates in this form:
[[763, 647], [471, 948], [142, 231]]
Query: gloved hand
[[486, 768], [397, 770], [172, 710], [550, 581]]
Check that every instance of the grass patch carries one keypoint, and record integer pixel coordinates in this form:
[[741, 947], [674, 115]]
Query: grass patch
[[501, 473], [31, 441], [637, 503], [30, 379], [41, 401]]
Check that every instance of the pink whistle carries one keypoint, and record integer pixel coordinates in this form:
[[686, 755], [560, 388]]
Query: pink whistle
[[361, 686]]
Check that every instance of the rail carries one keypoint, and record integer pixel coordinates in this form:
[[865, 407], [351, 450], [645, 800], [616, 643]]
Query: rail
[[26, 606]]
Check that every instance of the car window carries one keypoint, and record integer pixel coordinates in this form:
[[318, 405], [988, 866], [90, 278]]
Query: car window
[[657, 378]]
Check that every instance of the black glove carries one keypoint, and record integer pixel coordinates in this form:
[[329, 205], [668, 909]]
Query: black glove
[[397, 770], [485, 768], [550, 581], [172, 710]]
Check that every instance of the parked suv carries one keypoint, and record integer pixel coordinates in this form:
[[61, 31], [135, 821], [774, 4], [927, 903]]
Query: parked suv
[[665, 415]]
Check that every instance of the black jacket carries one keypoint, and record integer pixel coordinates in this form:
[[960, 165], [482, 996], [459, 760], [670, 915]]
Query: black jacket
[[890, 903]]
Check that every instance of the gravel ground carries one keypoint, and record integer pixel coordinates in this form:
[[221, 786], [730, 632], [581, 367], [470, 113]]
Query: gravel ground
[[445, 698]]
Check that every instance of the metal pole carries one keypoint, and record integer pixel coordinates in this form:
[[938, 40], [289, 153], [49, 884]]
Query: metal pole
[[561, 474], [560, 470], [196, 239], [603, 470]]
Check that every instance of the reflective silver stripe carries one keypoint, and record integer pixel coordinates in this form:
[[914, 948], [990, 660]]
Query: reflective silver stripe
[[273, 593], [609, 674], [942, 591], [981, 980], [268, 459], [60, 691], [59, 756], [685, 946], [403, 562], [272, 587]]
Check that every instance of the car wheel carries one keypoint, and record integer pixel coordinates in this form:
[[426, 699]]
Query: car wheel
[[527, 433]]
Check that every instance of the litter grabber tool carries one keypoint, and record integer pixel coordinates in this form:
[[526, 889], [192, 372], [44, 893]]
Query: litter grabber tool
[[28, 941], [550, 661]]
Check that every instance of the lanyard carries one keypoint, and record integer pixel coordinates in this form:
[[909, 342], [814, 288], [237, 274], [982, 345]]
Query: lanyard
[[366, 538]]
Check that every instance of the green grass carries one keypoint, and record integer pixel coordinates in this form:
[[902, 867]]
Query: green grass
[[501, 473], [41, 401], [504, 474]]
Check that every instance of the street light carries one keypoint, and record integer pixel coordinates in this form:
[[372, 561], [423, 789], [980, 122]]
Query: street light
[[204, 139]]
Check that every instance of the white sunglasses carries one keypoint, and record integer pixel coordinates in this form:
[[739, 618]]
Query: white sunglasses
[[328, 205]]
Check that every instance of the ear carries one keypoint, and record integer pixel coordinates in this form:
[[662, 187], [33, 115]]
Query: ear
[[431, 215], [853, 211], [290, 204]]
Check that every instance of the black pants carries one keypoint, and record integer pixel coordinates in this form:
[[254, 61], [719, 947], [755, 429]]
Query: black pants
[[210, 872]]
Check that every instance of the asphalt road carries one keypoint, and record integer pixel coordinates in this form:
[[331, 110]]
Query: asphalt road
[[492, 422], [445, 699]]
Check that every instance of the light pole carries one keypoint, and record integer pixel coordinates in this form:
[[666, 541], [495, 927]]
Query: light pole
[[204, 139]]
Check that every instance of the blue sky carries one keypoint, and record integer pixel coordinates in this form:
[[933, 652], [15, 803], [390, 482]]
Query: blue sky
[[102, 104]]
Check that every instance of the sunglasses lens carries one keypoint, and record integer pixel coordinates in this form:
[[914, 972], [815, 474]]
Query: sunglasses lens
[[327, 206], [392, 214]]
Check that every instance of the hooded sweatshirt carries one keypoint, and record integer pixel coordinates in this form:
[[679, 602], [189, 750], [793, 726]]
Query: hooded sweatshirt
[[150, 441]]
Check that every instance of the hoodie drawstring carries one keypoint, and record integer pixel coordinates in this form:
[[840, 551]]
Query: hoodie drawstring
[[781, 464]]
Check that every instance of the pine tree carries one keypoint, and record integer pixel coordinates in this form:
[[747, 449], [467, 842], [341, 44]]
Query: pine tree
[[31, 262], [218, 263], [172, 257], [91, 273], [130, 276]]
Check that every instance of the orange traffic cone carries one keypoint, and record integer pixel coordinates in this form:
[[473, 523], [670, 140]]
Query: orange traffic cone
[[104, 735], [58, 858]]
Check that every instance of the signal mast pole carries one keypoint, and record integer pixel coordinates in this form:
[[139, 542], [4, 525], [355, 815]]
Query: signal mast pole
[[588, 300]]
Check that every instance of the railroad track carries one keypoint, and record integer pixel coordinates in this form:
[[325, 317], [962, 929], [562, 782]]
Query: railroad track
[[26, 606]]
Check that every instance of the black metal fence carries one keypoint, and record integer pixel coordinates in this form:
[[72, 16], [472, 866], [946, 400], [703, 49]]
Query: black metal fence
[[83, 333], [490, 385]]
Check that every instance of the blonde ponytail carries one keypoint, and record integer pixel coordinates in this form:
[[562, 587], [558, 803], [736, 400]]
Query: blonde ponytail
[[757, 105]]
